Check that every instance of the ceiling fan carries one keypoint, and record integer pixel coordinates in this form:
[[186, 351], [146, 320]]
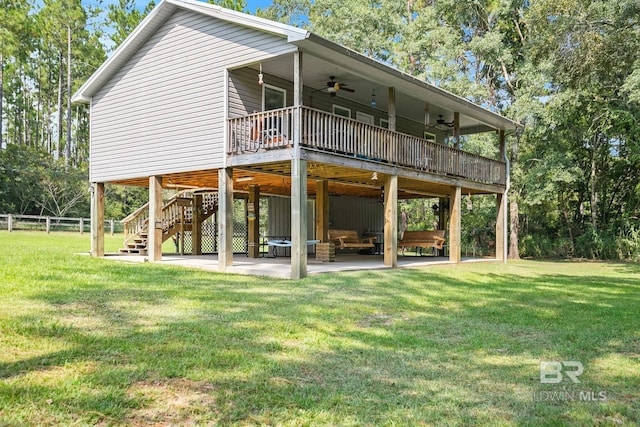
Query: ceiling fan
[[441, 123], [333, 86]]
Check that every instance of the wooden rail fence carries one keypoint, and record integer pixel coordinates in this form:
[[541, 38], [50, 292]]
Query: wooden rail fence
[[12, 222]]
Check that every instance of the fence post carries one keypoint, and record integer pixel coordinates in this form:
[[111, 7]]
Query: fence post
[[112, 226], [81, 225], [48, 224], [10, 223]]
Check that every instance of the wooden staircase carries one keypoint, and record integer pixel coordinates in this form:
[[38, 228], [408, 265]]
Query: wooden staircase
[[177, 216]]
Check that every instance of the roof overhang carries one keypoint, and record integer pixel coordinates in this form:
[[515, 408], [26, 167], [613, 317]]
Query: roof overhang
[[377, 71]]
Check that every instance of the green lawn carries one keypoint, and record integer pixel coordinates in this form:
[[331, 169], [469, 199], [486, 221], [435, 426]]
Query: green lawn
[[88, 341]]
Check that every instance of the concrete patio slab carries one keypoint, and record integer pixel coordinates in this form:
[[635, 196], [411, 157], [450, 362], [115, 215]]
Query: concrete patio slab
[[280, 267]]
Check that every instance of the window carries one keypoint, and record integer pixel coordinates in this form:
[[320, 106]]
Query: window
[[273, 98], [384, 123], [341, 111], [364, 118], [429, 136]]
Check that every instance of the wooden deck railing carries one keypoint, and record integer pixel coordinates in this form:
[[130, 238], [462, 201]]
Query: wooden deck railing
[[327, 132]]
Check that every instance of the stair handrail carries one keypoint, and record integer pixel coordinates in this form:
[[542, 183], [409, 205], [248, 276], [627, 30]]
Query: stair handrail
[[138, 221]]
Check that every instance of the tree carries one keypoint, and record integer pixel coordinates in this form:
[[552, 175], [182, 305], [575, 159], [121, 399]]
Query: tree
[[237, 5], [14, 16], [124, 17], [291, 12], [591, 48], [21, 171], [63, 191]]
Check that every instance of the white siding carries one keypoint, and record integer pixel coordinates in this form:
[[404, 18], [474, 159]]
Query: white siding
[[163, 111]]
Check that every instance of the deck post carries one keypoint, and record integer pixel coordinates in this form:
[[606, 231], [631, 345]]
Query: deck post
[[455, 212], [225, 223], [97, 219], [154, 244], [81, 225], [501, 227], [392, 108], [322, 210], [298, 181], [298, 218], [196, 225], [253, 216], [456, 130], [10, 223], [391, 221], [48, 224]]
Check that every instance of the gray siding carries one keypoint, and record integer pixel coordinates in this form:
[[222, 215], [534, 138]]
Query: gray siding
[[163, 111], [279, 217], [345, 213], [356, 213], [245, 97]]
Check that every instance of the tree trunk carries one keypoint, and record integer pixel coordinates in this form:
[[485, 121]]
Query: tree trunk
[[593, 191], [514, 228], [1, 95], [565, 214], [39, 136], [47, 121], [67, 153], [25, 104], [60, 77]]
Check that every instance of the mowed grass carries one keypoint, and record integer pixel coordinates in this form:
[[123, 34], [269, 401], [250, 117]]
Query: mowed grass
[[87, 341]]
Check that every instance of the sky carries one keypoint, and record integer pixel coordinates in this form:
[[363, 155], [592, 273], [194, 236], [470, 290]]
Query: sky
[[251, 4], [141, 4]]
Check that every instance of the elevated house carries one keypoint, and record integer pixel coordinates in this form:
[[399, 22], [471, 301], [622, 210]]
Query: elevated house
[[201, 97]]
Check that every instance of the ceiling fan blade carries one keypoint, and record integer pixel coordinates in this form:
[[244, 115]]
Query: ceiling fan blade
[[346, 89]]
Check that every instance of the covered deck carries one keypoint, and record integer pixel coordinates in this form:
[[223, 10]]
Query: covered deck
[[255, 137]]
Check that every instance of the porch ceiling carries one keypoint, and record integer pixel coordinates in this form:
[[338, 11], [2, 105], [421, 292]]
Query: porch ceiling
[[365, 80], [275, 179]]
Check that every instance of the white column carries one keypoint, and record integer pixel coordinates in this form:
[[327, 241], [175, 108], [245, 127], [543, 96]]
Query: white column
[[298, 181]]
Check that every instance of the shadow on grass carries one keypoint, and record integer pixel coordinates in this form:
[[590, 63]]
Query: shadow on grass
[[438, 346]]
